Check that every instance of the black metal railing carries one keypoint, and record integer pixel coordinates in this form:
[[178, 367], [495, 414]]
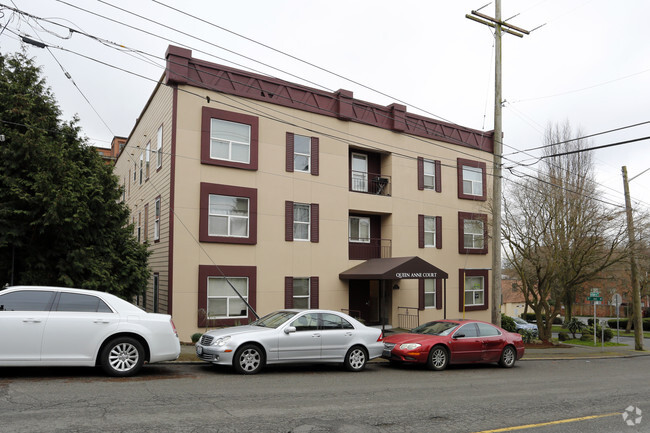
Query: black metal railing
[[406, 318], [370, 249], [370, 183]]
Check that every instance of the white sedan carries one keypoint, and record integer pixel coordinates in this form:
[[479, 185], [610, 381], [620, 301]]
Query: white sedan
[[293, 336], [56, 326]]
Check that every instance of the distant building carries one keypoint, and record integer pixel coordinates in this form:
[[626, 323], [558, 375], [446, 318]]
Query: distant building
[[109, 155], [299, 197]]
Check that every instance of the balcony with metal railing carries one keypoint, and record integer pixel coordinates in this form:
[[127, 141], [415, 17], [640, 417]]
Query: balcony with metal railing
[[370, 183], [364, 249]]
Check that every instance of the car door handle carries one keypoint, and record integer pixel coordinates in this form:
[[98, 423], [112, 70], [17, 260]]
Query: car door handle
[[315, 336], [102, 322], [31, 321], [348, 334]]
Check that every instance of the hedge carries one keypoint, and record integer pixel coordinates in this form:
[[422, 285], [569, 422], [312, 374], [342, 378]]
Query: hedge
[[622, 323]]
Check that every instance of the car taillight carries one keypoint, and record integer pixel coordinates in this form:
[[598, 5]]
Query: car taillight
[[381, 337], [174, 328]]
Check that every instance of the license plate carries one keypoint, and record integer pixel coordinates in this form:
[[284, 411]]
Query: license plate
[[386, 354], [199, 350]]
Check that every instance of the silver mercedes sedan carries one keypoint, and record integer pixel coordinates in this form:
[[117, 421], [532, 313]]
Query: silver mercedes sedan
[[293, 336]]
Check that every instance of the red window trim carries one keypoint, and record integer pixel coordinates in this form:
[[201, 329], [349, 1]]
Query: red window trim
[[234, 191], [208, 113], [314, 284], [314, 227], [421, 305], [476, 164], [461, 288], [438, 223], [315, 148], [462, 216], [437, 174], [206, 271]]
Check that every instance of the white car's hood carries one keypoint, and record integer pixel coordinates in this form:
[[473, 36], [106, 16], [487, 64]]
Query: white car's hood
[[236, 330]]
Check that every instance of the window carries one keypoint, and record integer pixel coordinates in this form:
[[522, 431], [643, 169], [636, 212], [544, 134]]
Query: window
[[487, 330], [429, 232], [429, 175], [141, 167], [82, 303], [229, 139], [135, 171], [430, 293], [332, 321], [147, 159], [27, 300], [301, 292], [302, 153], [219, 304], [156, 220], [359, 164], [301, 222], [301, 219], [359, 229], [146, 222], [139, 225], [472, 233], [474, 292], [306, 322], [223, 301], [471, 180], [159, 139], [467, 331], [228, 214]]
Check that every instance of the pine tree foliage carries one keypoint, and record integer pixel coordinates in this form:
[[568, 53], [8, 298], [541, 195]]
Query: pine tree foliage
[[61, 219]]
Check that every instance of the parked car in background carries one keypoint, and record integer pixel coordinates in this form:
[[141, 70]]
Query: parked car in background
[[56, 326], [440, 343], [523, 326], [292, 336]]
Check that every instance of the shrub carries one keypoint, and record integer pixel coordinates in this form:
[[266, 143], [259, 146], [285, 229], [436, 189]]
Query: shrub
[[622, 323], [563, 336], [608, 333], [507, 323], [527, 335], [574, 326], [530, 317], [196, 337]]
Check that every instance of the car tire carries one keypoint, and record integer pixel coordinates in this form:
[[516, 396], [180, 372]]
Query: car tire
[[438, 358], [122, 357], [356, 359], [508, 357], [249, 359]]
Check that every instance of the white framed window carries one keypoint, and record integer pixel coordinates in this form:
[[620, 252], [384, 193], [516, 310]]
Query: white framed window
[[159, 139], [228, 216], [301, 153], [429, 293], [156, 220], [473, 234], [430, 231], [301, 293], [230, 141], [141, 167], [472, 181], [223, 301], [359, 229], [147, 159], [474, 291], [301, 221], [429, 174], [135, 171]]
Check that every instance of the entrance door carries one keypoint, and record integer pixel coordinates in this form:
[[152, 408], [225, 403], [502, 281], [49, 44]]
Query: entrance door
[[364, 301], [359, 165]]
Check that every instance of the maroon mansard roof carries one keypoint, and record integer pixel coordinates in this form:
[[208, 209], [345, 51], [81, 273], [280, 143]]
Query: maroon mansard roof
[[183, 69]]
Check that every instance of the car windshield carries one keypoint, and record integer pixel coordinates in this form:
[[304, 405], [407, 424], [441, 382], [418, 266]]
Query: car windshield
[[435, 328], [274, 320]]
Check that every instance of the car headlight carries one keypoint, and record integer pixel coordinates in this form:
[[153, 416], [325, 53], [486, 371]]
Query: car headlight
[[409, 346], [221, 341]]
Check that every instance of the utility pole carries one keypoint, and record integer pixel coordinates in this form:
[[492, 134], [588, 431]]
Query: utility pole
[[498, 26], [636, 296]]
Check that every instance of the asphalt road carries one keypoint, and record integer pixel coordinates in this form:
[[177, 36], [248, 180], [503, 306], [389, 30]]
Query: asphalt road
[[203, 398]]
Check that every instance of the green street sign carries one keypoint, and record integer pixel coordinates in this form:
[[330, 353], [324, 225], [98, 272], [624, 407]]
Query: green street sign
[[595, 298]]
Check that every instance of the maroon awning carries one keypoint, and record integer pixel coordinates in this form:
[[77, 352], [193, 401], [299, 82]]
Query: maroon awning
[[395, 268]]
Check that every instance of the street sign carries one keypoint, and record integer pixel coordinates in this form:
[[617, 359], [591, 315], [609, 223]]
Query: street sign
[[595, 292], [595, 298], [617, 300]]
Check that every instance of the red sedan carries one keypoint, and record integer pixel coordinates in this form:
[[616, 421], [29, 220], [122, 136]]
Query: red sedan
[[439, 343]]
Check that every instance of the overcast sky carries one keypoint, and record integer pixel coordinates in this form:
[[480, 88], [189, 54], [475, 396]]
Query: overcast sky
[[589, 63]]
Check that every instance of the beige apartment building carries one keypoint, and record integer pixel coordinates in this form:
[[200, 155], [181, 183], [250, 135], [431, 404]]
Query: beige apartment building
[[298, 197]]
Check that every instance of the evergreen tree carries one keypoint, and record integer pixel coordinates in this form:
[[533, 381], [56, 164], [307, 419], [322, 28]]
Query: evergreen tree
[[61, 219]]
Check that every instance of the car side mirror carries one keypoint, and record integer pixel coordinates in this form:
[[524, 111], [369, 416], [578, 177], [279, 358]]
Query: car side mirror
[[459, 336], [289, 329]]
